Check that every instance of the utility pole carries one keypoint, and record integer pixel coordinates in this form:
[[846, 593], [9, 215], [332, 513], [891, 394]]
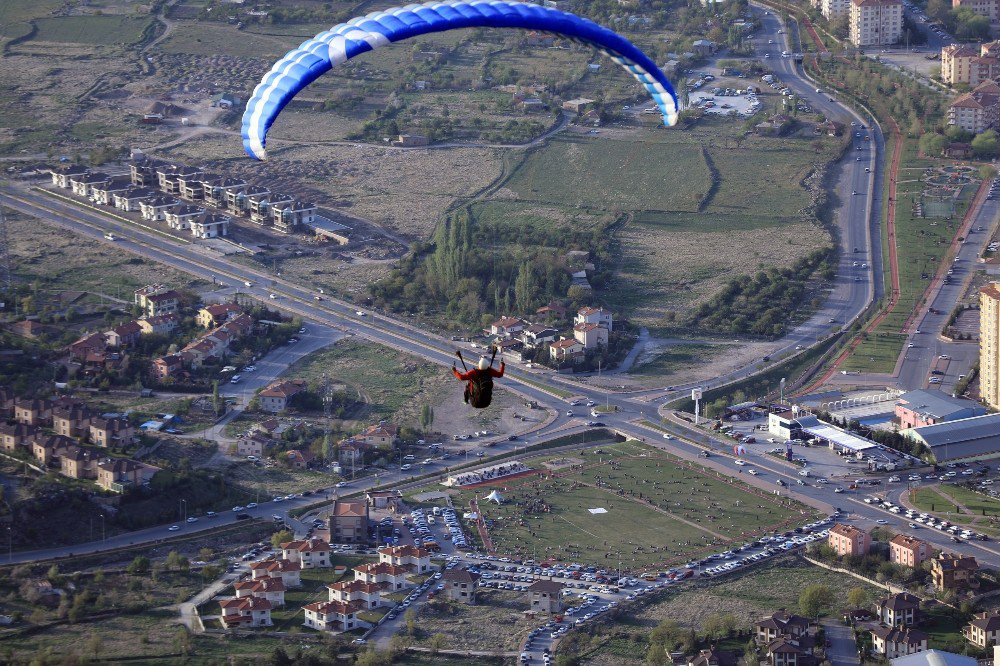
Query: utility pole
[[327, 409]]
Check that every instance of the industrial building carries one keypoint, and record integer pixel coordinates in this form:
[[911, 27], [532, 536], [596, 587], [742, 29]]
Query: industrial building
[[965, 439]]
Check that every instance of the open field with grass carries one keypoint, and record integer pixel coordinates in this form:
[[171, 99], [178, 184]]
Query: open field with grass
[[395, 385], [495, 622], [97, 30], [876, 353], [681, 241], [669, 359], [58, 260], [658, 510], [959, 505], [748, 594]]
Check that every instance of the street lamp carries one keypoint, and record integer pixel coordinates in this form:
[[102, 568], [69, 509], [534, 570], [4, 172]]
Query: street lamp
[[104, 533], [182, 509]]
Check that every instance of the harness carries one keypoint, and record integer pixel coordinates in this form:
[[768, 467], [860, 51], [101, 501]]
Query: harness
[[480, 389]]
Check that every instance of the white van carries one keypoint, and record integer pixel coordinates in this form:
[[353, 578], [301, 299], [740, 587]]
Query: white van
[[236, 379]]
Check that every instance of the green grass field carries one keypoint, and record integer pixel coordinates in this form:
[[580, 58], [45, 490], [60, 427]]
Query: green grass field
[[676, 357], [682, 511], [374, 370], [943, 500], [876, 354], [96, 30]]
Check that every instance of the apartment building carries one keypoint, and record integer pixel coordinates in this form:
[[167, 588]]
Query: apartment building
[[849, 540], [977, 111], [988, 8], [876, 22]]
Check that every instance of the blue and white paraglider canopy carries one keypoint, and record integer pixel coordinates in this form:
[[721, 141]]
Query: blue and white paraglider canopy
[[314, 57]]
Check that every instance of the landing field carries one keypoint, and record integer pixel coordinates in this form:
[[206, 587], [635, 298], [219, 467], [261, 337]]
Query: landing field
[[660, 510]]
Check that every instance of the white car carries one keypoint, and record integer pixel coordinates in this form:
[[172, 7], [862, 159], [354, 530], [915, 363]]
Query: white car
[[272, 296], [752, 472], [740, 462]]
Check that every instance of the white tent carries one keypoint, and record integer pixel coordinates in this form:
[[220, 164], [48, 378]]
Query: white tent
[[494, 496]]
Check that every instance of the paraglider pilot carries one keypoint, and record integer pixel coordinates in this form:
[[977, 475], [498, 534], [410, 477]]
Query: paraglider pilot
[[479, 380]]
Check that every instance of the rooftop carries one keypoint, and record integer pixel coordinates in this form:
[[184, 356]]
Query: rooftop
[[938, 405]]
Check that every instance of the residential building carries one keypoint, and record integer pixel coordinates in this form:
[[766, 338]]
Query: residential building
[[599, 316], [71, 421], [789, 651], [566, 349], [111, 433], [274, 398], [545, 596], [978, 110], [346, 592], [7, 398], [265, 587], [216, 187], [32, 411], [552, 312], [190, 185], [287, 216], [536, 335], [935, 658], [349, 521], [79, 463], [875, 22], [210, 225], [334, 616], [167, 366], [14, 436], [170, 176], [383, 435], [82, 184], [780, 623], [118, 474], [46, 449], [255, 445], [983, 630], [211, 316], [591, 336], [507, 327], [248, 611], [460, 585], [260, 205], [892, 642], [712, 657], [924, 407], [972, 439], [898, 610], [413, 559], [143, 172], [908, 551], [130, 200], [832, 9], [155, 209], [62, 173], [290, 573], [388, 577], [156, 300], [238, 199], [310, 554], [989, 344], [123, 335], [953, 572], [90, 342], [180, 217], [300, 458], [159, 325], [956, 63], [988, 8], [849, 540]]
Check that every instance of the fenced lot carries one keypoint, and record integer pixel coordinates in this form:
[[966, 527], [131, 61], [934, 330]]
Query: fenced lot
[[657, 510]]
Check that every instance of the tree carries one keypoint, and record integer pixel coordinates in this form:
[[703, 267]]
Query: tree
[[138, 566], [986, 144], [437, 642], [932, 144], [177, 561], [426, 416], [281, 536], [210, 572], [95, 644], [857, 597], [206, 554], [410, 617], [815, 599], [656, 655], [986, 172]]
